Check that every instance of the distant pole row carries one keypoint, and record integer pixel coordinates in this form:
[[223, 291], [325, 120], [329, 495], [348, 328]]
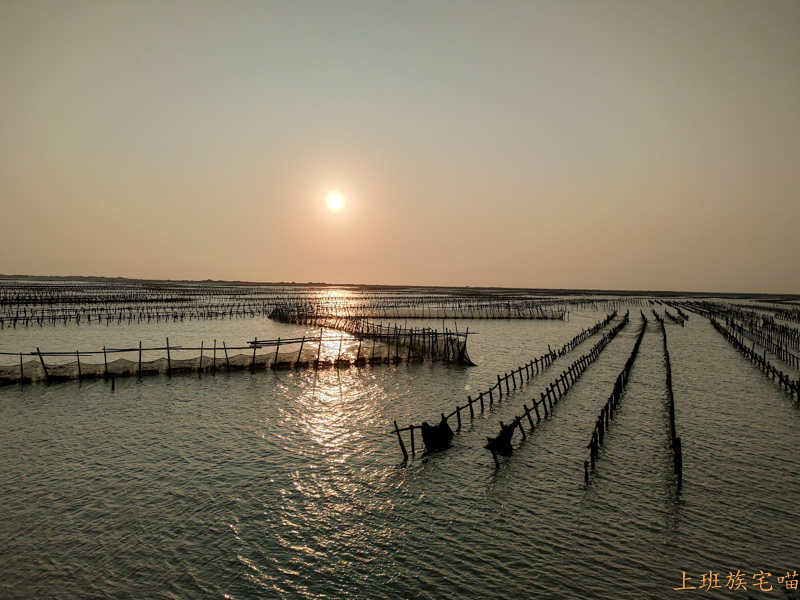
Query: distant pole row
[[675, 319], [764, 338], [419, 343], [791, 386]]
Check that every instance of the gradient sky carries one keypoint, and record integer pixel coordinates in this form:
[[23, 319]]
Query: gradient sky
[[593, 144]]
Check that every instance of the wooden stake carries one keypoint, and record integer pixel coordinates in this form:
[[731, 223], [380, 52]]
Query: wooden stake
[[44, 366], [528, 414], [400, 439], [494, 456]]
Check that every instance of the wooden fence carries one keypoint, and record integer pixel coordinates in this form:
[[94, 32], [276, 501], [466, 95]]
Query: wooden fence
[[609, 408], [557, 389], [299, 352], [448, 346], [530, 370], [791, 386]]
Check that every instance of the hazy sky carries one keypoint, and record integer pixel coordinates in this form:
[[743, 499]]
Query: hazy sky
[[597, 144]]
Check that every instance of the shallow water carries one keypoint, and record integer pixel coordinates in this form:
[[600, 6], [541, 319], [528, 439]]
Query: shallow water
[[289, 484]]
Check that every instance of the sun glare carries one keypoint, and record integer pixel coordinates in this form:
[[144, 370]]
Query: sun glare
[[335, 201]]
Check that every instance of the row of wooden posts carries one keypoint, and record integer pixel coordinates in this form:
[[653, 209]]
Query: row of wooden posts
[[788, 314], [106, 351], [610, 407], [674, 318], [129, 316], [710, 309], [793, 387], [766, 327], [552, 394], [586, 333], [475, 310], [674, 440], [754, 334], [782, 334], [29, 304], [682, 314], [418, 342], [530, 370], [212, 365], [137, 308], [717, 313]]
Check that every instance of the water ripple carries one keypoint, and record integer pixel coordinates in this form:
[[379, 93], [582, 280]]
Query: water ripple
[[289, 484]]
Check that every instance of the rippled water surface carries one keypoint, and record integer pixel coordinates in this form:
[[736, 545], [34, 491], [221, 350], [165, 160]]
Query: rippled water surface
[[289, 484]]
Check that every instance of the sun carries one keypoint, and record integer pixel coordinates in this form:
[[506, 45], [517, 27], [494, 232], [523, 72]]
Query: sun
[[335, 201]]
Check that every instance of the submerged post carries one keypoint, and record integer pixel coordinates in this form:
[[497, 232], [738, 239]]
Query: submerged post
[[44, 366], [400, 439], [528, 414], [494, 455]]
